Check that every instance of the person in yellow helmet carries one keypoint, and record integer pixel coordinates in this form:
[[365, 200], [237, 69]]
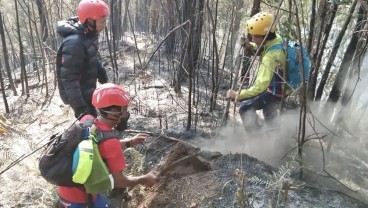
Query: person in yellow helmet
[[266, 92]]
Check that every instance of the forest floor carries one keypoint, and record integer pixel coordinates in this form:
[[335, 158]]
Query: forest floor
[[202, 167]]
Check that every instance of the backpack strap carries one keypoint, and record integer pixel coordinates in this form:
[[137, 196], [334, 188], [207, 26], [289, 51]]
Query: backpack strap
[[103, 135], [273, 48], [88, 122]]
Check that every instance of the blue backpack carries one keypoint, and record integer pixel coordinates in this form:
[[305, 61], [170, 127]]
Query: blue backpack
[[294, 60]]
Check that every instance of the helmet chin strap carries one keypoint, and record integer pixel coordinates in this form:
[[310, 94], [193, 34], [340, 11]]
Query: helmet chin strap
[[116, 117], [93, 25]]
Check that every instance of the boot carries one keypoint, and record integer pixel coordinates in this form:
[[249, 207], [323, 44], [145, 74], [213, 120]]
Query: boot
[[250, 121]]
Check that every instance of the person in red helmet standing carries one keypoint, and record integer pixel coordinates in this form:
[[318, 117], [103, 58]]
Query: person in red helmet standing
[[78, 64], [111, 102]]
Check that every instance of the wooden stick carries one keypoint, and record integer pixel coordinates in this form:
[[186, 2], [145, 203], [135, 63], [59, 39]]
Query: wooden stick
[[181, 141], [163, 136]]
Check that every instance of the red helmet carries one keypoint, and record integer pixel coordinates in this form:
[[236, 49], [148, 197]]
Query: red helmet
[[93, 9], [110, 94]]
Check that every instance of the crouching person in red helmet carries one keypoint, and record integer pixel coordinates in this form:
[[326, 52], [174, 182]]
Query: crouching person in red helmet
[[111, 102]]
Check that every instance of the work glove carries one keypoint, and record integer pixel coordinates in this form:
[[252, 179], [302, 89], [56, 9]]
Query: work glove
[[123, 125], [232, 95], [244, 41], [80, 112], [102, 75], [101, 72]]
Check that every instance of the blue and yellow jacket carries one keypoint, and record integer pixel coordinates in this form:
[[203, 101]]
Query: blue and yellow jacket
[[270, 62]]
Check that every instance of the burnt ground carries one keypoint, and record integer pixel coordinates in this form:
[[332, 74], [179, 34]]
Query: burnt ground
[[202, 167], [194, 178]]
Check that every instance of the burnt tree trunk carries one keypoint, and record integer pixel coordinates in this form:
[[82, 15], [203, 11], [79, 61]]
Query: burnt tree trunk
[[190, 67], [35, 62], [197, 31], [24, 79], [115, 8], [41, 13], [116, 32], [51, 20], [248, 53], [43, 55], [14, 58], [335, 48], [354, 72], [327, 11], [314, 69], [311, 27], [186, 14], [238, 15], [215, 55], [336, 90], [125, 18], [2, 85], [6, 56], [170, 42], [196, 41]]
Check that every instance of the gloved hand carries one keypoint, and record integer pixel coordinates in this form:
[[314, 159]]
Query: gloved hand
[[123, 125], [80, 111], [244, 41], [150, 179], [102, 75], [232, 95], [139, 139]]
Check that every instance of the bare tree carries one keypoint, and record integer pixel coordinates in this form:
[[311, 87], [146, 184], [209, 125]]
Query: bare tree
[[170, 42], [24, 78], [256, 7], [35, 61], [125, 17], [115, 16], [43, 18], [2, 85], [190, 67], [338, 84], [6, 57], [197, 30], [311, 27], [116, 32], [42, 51], [333, 54], [328, 12], [215, 54]]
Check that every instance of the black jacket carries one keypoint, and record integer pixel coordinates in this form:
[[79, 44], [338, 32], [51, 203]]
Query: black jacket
[[78, 65]]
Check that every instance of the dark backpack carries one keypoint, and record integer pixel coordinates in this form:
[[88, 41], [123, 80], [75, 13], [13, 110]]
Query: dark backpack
[[56, 161], [294, 63]]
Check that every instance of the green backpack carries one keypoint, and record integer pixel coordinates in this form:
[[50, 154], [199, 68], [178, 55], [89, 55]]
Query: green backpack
[[88, 167], [73, 159]]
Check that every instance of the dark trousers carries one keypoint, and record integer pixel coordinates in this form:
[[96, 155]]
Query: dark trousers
[[265, 101], [89, 109]]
